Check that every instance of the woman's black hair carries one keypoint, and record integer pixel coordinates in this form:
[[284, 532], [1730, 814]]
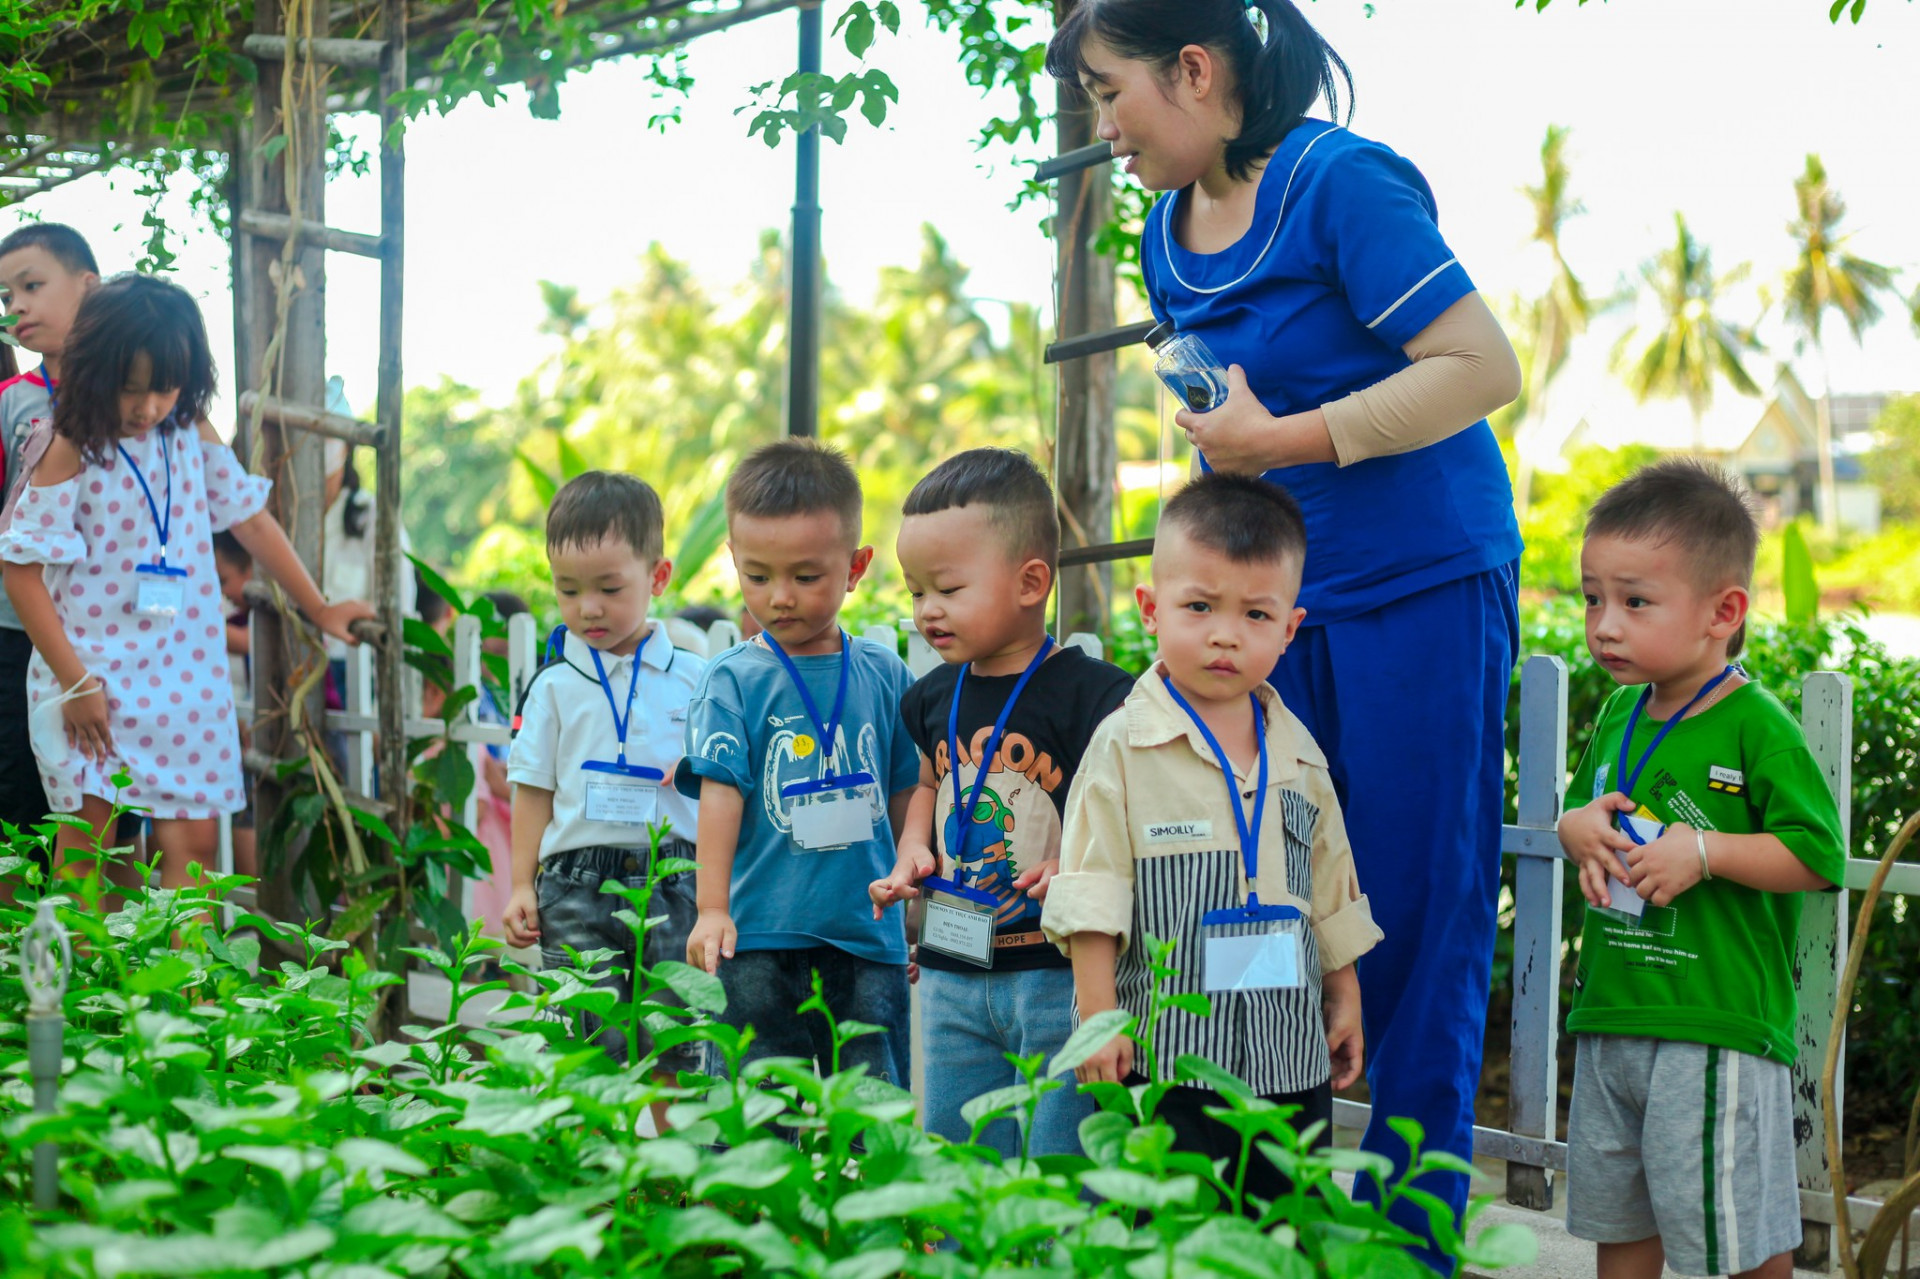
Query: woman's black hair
[[9, 367], [1277, 78], [126, 317], [353, 516]]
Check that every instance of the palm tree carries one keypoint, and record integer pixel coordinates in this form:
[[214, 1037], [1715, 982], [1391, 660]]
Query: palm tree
[[1561, 313], [1693, 346], [1827, 278]]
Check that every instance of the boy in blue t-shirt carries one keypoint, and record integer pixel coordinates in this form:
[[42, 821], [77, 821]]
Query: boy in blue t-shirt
[[795, 750]]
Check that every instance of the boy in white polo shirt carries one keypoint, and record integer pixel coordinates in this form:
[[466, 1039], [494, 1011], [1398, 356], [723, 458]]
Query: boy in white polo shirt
[[597, 736]]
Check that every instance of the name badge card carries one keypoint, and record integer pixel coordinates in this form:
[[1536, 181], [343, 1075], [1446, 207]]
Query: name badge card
[[1624, 903], [831, 812], [162, 590], [623, 794], [959, 920], [1250, 948]]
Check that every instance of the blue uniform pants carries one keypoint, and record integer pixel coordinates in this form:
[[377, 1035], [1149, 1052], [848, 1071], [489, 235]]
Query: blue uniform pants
[[1409, 704]]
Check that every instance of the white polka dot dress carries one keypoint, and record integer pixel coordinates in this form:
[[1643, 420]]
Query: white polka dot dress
[[170, 702]]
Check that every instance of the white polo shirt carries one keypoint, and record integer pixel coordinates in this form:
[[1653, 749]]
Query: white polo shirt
[[565, 722]]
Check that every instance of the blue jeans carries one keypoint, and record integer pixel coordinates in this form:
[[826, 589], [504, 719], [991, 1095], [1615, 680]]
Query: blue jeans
[[971, 1022], [765, 989]]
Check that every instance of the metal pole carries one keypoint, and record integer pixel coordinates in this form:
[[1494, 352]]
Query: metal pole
[[803, 323], [45, 959]]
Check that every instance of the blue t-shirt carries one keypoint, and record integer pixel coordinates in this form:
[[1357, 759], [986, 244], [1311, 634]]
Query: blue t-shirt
[[747, 727], [1343, 265]]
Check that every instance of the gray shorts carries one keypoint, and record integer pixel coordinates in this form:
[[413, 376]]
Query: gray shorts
[[574, 912], [1690, 1143]]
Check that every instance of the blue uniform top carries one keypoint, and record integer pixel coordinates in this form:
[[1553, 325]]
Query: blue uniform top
[[1343, 265]]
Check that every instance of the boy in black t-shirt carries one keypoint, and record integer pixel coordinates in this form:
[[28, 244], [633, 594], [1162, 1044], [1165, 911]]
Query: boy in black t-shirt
[[979, 548]]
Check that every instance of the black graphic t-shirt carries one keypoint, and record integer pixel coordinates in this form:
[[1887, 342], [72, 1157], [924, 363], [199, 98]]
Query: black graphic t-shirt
[[1016, 820]]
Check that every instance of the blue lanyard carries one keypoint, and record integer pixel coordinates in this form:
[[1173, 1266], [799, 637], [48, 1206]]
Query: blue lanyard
[[161, 522], [1627, 781], [46, 384], [828, 729], [1249, 832], [963, 808], [620, 725]]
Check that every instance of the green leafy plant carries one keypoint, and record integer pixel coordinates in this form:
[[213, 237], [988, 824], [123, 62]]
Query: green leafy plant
[[224, 1114]]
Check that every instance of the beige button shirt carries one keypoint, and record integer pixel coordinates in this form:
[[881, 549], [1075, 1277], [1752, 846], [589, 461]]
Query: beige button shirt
[[1150, 845]]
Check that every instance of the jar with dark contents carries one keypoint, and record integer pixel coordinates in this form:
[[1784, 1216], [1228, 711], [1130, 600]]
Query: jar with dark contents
[[1193, 373]]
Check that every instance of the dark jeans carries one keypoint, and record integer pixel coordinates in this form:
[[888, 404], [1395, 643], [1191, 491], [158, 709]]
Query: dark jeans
[[765, 988], [23, 801], [1184, 1110], [574, 912]]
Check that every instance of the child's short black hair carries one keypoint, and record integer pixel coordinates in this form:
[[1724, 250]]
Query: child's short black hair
[[226, 545], [506, 604], [128, 316], [603, 504], [1243, 517], [432, 606], [796, 476], [64, 244], [1010, 485], [1695, 506]]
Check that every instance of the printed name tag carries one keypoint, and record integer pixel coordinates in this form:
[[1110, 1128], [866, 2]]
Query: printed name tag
[[1269, 961], [831, 812], [1250, 947], [1176, 832], [958, 920], [162, 591], [619, 800], [1623, 903]]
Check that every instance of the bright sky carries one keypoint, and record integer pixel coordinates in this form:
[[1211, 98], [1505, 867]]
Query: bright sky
[[1707, 107]]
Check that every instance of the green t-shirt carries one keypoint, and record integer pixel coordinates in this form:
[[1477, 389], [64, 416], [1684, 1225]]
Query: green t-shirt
[[1715, 967]]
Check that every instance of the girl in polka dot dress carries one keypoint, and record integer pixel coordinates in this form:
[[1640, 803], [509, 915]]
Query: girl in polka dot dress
[[109, 561]]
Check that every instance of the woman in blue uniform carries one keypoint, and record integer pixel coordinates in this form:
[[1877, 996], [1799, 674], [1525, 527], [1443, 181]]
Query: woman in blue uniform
[[1362, 367]]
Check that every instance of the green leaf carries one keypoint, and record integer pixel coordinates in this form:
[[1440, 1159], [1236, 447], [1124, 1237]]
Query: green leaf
[[545, 487], [1500, 1246], [898, 1199], [410, 1219], [438, 584], [1138, 1190], [1089, 1038], [167, 975], [699, 988], [1193, 1003], [705, 533], [1103, 1136], [359, 915], [992, 1103], [1796, 577], [572, 463]]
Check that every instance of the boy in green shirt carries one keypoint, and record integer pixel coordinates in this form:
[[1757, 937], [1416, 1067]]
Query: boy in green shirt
[[1708, 819]]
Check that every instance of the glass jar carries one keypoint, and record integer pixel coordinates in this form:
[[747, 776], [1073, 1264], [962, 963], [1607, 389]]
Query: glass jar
[[1189, 370]]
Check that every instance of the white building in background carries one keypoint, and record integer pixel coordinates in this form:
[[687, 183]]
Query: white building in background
[[1769, 440]]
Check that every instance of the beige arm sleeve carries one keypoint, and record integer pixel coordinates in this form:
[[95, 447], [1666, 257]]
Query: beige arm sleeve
[[1463, 369]]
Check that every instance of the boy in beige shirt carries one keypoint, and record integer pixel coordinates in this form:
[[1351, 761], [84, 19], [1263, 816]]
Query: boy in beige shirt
[[1204, 815]]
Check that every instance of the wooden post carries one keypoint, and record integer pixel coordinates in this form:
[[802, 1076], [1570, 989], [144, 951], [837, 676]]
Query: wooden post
[[1086, 452], [389, 563], [293, 459]]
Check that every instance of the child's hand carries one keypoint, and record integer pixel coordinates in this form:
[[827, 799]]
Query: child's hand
[[1667, 867], [521, 923], [1595, 845], [1111, 1064], [1346, 1041], [1035, 878], [88, 719], [711, 940], [914, 864], [334, 619]]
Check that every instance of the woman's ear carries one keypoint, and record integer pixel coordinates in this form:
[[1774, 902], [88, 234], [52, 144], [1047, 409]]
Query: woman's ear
[[1196, 75]]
